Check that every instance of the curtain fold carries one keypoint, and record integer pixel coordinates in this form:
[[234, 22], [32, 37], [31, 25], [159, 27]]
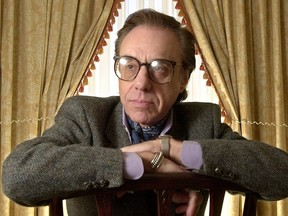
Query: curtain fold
[[244, 45], [46, 47]]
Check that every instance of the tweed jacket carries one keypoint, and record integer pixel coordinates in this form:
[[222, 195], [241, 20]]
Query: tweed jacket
[[81, 152]]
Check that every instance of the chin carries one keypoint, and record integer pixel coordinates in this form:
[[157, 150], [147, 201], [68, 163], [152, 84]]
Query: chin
[[138, 119], [142, 119]]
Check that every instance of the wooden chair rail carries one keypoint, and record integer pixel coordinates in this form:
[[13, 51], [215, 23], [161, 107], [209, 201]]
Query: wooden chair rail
[[165, 185]]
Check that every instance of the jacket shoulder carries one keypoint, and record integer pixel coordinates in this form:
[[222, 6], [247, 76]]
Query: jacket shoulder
[[88, 105], [91, 102], [197, 108], [199, 120]]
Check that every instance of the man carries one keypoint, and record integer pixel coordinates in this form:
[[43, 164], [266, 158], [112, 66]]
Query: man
[[98, 142]]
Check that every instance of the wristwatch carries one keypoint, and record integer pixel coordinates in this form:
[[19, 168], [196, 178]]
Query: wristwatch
[[165, 144]]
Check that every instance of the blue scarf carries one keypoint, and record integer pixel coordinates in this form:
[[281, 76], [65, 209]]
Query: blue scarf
[[140, 134]]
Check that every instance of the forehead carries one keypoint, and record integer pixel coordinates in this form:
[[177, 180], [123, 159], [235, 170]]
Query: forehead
[[151, 42]]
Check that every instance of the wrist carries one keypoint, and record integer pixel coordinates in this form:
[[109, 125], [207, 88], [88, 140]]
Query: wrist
[[165, 144], [175, 150]]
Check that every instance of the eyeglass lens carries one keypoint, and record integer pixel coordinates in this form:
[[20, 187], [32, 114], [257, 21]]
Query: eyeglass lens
[[160, 71]]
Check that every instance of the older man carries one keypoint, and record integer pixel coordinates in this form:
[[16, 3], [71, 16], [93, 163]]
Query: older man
[[98, 142]]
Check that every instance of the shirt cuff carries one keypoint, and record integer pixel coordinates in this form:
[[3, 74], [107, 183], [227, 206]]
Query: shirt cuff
[[133, 166], [191, 155]]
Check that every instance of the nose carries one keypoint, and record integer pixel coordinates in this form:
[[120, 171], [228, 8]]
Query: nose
[[142, 80]]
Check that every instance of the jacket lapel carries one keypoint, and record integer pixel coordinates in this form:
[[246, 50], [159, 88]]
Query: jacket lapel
[[115, 131], [177, 131]]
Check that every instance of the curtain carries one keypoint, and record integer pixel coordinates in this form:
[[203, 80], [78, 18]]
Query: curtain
[[45, 49], [244, 45]]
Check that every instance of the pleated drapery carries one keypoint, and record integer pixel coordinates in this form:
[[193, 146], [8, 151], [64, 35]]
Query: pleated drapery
[[46, 47], [244, 46]]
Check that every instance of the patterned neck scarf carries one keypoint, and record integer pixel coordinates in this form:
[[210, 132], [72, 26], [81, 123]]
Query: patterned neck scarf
[[140, 134]]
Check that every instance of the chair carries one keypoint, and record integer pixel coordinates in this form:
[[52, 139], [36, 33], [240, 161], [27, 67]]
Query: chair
[[164, 185]]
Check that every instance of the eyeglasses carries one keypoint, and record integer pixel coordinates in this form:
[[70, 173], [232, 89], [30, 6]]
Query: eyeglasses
[[160, 71]]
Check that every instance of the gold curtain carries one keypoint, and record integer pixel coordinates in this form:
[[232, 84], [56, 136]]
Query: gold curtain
[[45, 48], [244, 45]]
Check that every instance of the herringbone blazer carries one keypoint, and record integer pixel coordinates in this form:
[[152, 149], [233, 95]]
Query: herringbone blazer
[[81, 152]]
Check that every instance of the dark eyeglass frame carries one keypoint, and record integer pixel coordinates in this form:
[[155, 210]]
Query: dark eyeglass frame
[[147, 64]]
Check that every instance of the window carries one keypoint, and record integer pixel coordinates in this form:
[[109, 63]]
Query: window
[[104, 82]]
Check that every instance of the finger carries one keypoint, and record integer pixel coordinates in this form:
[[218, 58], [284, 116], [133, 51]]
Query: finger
[[151, 145], [180, 197], [135, 148], [169, 166], [119, 194], [181, 209], [195, 200]]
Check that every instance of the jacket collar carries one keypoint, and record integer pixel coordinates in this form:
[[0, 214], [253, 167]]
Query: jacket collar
[[118, 136], [115, 131]]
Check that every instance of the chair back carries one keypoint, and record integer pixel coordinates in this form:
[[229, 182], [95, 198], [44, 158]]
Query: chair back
[[165, 185]]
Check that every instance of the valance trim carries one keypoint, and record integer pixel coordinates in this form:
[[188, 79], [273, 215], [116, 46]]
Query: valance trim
[[243, 121], [102, 42]]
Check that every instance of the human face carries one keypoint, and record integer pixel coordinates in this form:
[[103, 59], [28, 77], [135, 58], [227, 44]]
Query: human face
[[145, 101]]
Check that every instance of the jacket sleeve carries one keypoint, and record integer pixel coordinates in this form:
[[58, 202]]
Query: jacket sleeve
[[63, 160], [252, 164]]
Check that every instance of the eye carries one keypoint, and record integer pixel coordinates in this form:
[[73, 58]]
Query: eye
[[160, 66], [128, 64]]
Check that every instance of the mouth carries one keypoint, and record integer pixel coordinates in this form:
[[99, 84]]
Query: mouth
[[141, 103]]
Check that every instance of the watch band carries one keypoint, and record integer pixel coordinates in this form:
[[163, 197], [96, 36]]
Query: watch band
[[165, 144]]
